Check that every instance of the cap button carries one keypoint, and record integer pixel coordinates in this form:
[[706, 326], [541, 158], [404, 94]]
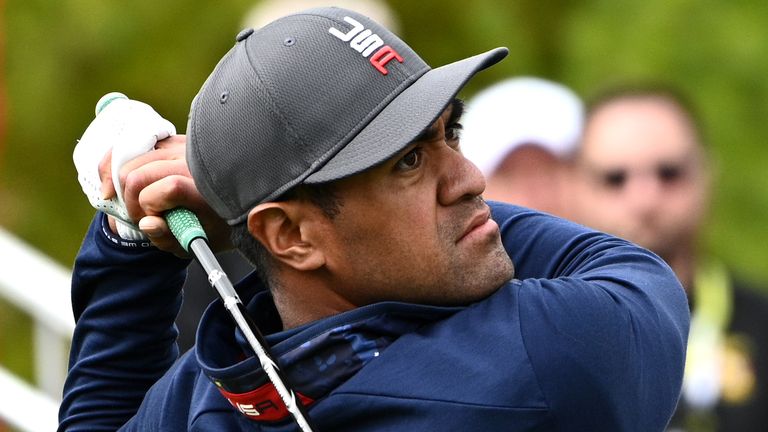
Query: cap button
[[244, 34]]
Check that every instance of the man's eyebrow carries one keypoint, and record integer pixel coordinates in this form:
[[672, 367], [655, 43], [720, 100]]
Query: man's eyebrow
[[456, 108]]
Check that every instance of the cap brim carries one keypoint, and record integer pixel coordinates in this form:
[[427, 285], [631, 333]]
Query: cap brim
[[400, 122]]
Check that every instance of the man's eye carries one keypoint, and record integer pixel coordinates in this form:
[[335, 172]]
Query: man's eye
[[411, 160], [614, 179]]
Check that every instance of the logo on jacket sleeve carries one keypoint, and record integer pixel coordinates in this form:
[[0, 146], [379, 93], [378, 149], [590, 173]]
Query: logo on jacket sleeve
[[262, 403], [365, 41]]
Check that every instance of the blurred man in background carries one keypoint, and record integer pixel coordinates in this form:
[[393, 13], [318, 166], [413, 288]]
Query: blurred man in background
[[521, 133], [642, 173]]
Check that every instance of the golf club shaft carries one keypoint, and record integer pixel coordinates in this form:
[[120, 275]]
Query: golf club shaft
[[187, 229]]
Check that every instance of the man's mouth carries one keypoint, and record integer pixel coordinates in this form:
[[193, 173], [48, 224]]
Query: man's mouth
[[478, 221]]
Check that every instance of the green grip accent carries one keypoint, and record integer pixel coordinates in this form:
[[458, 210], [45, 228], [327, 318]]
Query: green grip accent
[[107, 99], [185, 226]]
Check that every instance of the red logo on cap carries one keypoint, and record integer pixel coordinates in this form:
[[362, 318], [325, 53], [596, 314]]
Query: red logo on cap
[[365, 41]]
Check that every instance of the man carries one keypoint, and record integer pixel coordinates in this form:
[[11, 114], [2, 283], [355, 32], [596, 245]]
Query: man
[[384, 285], [643, 175], [522, 133]]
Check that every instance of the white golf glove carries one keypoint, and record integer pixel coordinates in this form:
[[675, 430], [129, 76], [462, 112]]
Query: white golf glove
[[130, 128]]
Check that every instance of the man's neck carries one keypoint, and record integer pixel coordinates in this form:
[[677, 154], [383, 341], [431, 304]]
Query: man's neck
[[302, 301], [683, 262]]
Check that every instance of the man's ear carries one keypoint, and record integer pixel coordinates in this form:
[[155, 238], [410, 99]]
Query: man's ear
[[279, 227]]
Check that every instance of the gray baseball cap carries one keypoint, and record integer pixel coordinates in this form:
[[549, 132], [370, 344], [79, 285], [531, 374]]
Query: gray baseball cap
[[311, 98]]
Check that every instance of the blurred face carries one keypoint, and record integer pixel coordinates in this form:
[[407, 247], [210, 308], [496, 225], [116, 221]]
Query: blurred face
[[415, 228], [640, 174], [530, 177]]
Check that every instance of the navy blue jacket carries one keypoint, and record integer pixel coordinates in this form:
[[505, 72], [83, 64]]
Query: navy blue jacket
[[590, 336]]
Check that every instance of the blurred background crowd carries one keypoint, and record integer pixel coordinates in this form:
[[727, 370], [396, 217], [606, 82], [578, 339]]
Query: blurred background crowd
[[58, 58]]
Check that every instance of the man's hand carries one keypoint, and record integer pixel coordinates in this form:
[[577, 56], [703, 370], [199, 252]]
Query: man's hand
[[158, 181], [126, 128]]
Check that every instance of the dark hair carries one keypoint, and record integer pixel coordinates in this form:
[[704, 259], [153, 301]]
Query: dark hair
[[659, 91], [321, 195]]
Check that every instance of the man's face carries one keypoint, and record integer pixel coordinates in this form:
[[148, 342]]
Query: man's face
[[415, 228], [530, 176], [640, 174]]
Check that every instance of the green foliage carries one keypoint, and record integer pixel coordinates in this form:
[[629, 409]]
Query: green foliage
[[15, 342], [62, 56]]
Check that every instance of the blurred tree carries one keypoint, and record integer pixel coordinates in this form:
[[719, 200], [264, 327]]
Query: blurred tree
[[2, 80], [62, 56]]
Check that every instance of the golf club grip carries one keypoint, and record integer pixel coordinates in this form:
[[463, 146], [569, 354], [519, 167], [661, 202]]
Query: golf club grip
[[185, 226]]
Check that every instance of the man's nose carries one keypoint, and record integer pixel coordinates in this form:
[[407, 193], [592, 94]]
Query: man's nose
[[644, 192], [459, 179]]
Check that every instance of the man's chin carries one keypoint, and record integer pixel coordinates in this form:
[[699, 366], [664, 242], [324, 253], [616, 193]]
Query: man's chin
[[500, 271]]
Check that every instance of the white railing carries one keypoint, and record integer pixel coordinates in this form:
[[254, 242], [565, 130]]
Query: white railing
[[40, 287]]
